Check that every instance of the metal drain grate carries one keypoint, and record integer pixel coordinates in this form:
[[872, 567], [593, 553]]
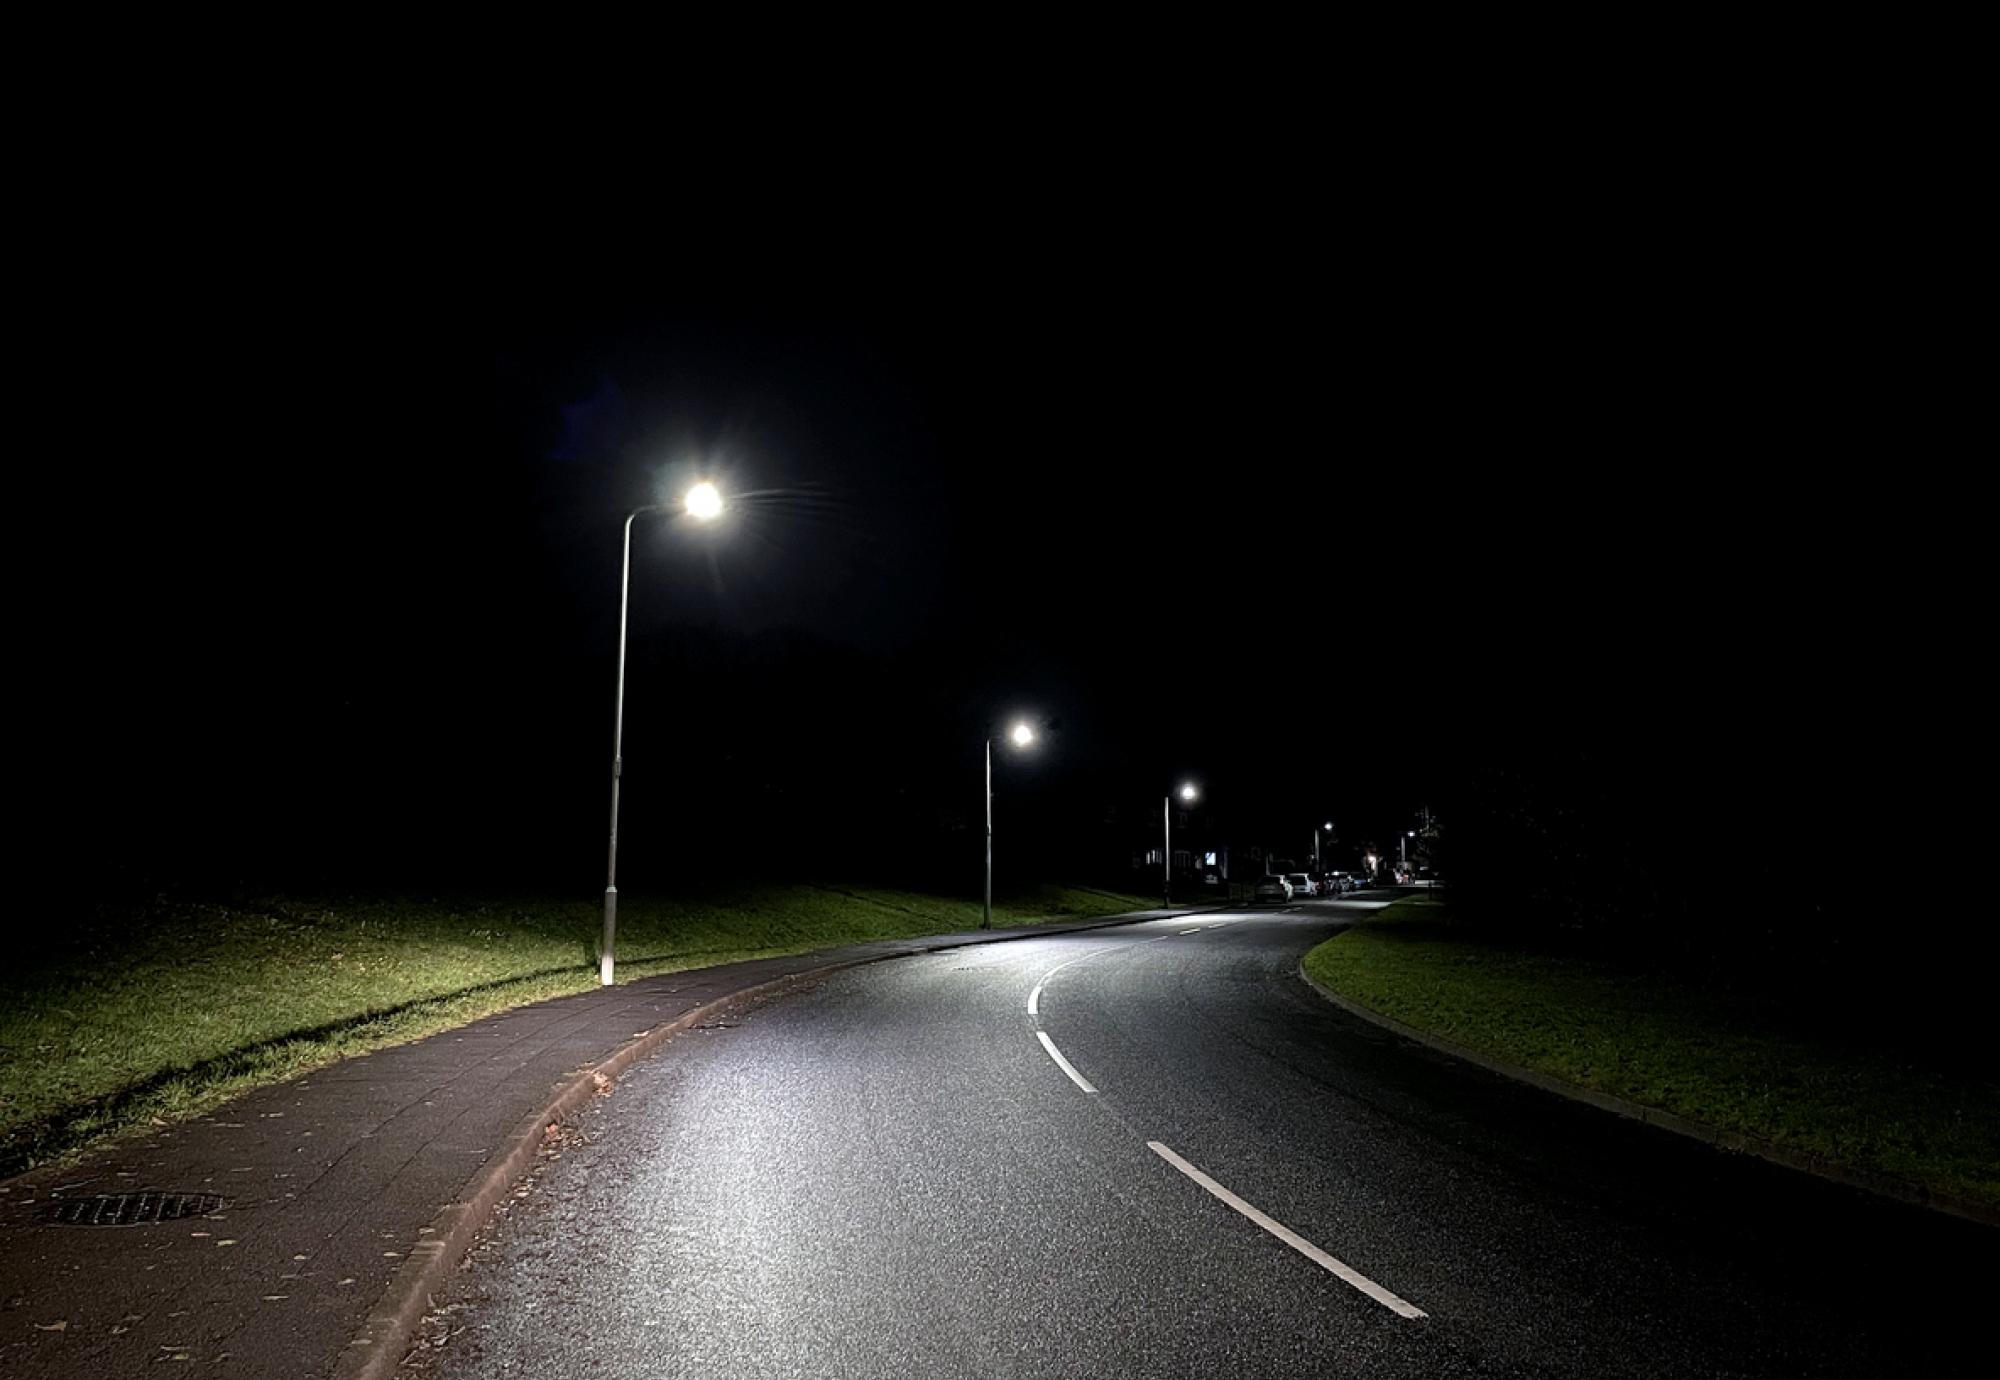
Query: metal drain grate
[[134, 1209]]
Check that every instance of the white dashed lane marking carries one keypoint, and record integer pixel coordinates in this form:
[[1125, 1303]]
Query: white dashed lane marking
[[1290, 1237]]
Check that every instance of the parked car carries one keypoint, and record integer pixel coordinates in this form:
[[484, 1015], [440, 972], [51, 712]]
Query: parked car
[[1302, 884], [1359, 880], [1274, 889]]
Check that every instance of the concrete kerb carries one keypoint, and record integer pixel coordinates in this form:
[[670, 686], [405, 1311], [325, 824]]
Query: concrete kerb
[[384, 1341], [1734, 1142]]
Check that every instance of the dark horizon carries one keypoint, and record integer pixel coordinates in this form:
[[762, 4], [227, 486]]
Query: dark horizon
[[355, 633]]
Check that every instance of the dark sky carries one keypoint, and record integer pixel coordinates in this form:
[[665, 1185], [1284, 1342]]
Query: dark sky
[[330, 569]]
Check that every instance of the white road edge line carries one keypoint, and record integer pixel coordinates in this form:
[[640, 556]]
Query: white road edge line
[[1195, 930], [1062, 1063], [1035, 997], [1281, 1231]]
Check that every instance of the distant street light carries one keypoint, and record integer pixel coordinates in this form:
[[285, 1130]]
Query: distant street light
[[1188, 793], [1328, 826], [1022, 736], [702, 502]]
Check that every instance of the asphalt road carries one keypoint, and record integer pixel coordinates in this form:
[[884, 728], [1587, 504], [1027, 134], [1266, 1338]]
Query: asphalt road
[[889, 1173]]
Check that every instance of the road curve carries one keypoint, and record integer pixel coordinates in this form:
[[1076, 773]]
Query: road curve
[[1180, 1162]]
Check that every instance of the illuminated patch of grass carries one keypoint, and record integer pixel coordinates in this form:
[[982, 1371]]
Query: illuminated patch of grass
[[1671, 1045], [165, 1011]]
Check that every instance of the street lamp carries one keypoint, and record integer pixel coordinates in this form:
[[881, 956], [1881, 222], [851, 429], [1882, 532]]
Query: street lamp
[[1187, 793], [1022, 736], [703, 502], [1328, 826]]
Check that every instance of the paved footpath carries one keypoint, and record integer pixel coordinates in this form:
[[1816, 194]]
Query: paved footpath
[[343, 1191]]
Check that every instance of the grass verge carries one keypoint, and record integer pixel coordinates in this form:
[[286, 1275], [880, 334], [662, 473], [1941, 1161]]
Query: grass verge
[[157, 1014], [1674, 1046]]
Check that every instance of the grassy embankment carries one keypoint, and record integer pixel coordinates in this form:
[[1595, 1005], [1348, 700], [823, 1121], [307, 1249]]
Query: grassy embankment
[[163, 1012], [1674, 1045]]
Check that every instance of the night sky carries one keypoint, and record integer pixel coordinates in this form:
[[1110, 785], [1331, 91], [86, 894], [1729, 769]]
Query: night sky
[[328, 591]]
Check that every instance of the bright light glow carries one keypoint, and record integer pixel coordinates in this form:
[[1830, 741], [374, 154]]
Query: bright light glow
[[1187, 793], [1328, 826], [704, 501], [1022, 735]]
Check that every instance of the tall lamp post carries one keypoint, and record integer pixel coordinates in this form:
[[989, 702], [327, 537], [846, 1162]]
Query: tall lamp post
[[1021, 736], [1328, 827], [703, 502], [1187, 793]]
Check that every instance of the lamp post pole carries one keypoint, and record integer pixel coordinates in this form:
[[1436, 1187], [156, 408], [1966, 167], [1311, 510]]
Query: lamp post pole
[[986, 913], [1021, 735], [703, 503], [1188, 793], [606, 952]]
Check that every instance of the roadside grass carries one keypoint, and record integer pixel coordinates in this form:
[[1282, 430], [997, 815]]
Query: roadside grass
[[160, 1013], [1680, 1047]]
